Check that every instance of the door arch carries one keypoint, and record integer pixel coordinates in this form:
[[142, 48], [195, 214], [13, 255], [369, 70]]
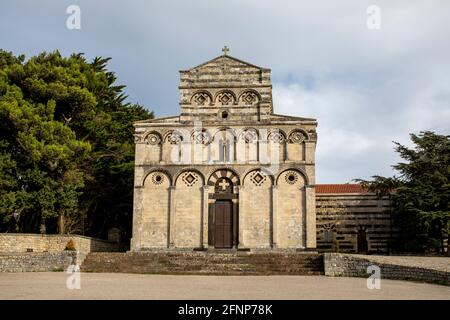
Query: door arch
[[223, 209]]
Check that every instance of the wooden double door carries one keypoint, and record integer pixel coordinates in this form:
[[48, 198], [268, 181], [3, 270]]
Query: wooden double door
[[223, 224]]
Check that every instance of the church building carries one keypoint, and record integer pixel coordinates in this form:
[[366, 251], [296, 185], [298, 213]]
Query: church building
[[227, 172]]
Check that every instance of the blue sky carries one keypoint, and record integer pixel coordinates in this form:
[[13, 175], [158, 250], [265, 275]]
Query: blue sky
[[365, 87]]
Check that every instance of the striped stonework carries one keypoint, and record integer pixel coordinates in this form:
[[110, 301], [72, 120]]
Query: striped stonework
[[350, 219], [227, 172]]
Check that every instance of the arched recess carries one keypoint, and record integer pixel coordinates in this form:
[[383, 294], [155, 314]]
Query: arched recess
[[255, 221], [152, 147], [173, 146], [290, 209], [223, 173], [225, 98], [200, 145], [296, 148], [186, 219], [201, 98], [223, 146], [223, 209], [247, 147], [200, 178], [249, 97], [277, 145], [153, 224]]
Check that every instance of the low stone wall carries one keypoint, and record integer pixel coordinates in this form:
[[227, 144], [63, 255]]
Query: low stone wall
[[37, 262], [36, 252], [24, 242], [423, 269]]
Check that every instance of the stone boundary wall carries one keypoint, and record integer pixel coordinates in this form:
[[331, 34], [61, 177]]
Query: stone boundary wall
[[37, 262], [24, 249], [422, 269], [22, 242]]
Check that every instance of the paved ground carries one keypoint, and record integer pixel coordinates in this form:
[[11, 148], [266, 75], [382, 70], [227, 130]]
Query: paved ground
[[52, 285]]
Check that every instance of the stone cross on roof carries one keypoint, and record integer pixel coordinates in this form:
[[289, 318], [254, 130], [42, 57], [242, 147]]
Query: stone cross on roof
[[225, 50]]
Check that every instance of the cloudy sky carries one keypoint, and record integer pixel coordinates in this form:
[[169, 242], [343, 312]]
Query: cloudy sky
[[366, 87]]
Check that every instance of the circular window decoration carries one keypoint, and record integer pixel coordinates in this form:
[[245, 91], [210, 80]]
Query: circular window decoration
[[157, 178], [296, 137], [153, 139], [291, 177]]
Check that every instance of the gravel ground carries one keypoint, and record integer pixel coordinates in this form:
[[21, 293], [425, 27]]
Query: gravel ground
[[52, 285]]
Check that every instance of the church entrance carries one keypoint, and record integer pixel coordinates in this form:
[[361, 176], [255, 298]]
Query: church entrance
[[223, 224], [223, 210]]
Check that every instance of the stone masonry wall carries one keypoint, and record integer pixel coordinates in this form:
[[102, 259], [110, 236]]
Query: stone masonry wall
[[37, 261], [423, 269], [345, 214], [36, 252], [23, 242]]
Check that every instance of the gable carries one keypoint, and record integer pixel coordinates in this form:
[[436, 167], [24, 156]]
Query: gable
[[225, 71], [224, 61]]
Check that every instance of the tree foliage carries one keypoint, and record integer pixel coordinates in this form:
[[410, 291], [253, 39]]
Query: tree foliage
[[66, 145], [420, 193]]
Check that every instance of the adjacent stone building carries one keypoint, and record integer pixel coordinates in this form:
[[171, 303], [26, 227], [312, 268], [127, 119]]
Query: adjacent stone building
[[227, 172], [351, 219]]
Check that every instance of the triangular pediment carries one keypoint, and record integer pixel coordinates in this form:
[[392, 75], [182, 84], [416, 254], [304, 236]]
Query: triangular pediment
[[225, 60]]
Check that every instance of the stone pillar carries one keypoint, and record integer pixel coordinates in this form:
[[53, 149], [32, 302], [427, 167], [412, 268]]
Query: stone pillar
[[310, 195], [241, 216], [235, 223], [171, 231], [310, 148], [204, 222], [274, 216], [137, 218]]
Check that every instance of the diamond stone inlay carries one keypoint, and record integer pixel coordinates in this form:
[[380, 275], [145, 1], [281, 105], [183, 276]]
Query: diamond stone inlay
[[190, 178], [258, 178]]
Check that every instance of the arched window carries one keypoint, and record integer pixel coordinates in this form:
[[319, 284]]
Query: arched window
[[224, 150], [224, 146], [174, 146]]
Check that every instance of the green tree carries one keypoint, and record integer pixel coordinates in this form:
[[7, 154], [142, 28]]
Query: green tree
[[420, 193], [66, 145]]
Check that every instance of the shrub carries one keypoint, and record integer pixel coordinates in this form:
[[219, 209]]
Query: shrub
[[70, 245]]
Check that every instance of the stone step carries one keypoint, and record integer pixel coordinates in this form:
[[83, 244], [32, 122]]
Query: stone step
[[234, 263]]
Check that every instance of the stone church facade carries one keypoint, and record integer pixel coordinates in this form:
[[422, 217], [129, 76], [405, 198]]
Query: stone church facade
[[227, 172]]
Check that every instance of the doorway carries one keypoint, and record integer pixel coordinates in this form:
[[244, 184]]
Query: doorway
[[362, 244], [223, 224]]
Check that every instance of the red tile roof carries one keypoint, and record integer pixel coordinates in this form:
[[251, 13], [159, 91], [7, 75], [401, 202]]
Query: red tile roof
[[340, 188]]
